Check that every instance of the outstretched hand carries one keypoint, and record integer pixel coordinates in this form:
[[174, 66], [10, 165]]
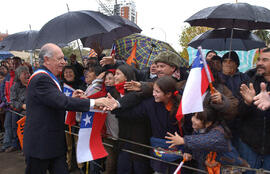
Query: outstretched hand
[[174, 139], [101, 75], [132, 86], [108, 60], [78, 94], [262, 100], [111, 102], [106, 103]]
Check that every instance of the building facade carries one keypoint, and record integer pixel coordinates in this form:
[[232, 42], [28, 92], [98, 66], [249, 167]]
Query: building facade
[[124, 8]]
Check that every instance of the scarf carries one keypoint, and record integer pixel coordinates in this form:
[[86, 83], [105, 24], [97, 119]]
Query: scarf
[[99, 94], [120, 87]]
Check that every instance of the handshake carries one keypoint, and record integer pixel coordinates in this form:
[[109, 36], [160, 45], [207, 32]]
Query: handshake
[[104, 103]]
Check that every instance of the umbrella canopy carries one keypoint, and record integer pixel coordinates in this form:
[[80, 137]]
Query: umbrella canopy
[[19, 41], [105, 40], [220, 39], [147, 49], [5, 54], [232, 15], [74, 25]]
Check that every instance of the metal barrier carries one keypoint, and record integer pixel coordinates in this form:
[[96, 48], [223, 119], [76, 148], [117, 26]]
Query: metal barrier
[[258, 171]]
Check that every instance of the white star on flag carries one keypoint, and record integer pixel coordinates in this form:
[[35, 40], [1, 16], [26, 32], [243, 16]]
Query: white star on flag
[[67, 93], [87, 119]]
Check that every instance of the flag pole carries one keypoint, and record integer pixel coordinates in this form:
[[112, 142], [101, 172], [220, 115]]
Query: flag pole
[[180, 166], [69, 129], [207, 71]]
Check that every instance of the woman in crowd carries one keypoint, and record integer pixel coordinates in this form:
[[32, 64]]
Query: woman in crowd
[[70, 77], [18, 99], [129, 129]]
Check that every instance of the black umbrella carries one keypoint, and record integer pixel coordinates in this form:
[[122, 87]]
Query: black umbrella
[[106, 40], [19, 41], [74, 25], [220, 39], [232, 15]]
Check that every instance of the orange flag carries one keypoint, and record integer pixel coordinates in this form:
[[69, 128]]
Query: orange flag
[[132, 58]]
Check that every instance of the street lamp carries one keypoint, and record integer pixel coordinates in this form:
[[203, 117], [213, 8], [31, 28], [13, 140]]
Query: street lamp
[[161, 30]]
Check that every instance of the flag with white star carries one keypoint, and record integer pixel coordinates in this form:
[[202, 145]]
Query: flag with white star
[[90, 145], [68, 90], [70, 118]]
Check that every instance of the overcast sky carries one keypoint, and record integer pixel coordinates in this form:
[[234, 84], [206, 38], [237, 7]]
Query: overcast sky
[[167, 16]]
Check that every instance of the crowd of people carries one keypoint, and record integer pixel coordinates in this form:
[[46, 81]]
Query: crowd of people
[[142, 104]]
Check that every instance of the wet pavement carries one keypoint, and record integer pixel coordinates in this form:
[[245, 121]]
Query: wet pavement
[[14, 162]]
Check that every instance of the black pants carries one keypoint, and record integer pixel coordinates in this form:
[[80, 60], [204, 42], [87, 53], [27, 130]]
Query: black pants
[[56, 165]]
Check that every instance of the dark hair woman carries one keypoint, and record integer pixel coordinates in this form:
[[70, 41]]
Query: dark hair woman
[[71, 78], [130, 129], [18, 100], [160, 110]]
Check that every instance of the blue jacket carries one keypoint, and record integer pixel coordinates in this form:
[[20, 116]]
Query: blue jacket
[[234, 82], [202, 143]]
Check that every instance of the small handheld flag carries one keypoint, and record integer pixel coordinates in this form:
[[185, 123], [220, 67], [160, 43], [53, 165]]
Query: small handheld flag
[[196, 85], [113, 50], [90, 145]]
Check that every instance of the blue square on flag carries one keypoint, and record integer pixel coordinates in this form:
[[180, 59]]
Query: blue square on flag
[[68, 91], [87, 119], [197, 61]]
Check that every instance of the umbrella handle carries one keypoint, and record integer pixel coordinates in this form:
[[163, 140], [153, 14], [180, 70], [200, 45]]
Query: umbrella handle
[[231, 43], [149, 56]]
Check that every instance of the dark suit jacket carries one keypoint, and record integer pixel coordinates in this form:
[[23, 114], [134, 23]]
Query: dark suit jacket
[[44, 135]]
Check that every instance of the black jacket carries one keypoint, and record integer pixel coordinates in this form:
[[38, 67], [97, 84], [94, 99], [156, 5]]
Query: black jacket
[[255, 128], [44, 135]]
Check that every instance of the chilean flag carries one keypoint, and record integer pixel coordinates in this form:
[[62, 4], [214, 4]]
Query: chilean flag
[[196, 85], [70, 115], [90, 145], [113, 50]]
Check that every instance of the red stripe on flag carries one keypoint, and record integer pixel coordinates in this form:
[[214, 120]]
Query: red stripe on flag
[[96, 146], [179, 116], [205, 82], [71, 118]]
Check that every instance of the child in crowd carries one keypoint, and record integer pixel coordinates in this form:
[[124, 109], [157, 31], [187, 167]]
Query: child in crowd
[[93, 79], [90, 76], [210, 135]]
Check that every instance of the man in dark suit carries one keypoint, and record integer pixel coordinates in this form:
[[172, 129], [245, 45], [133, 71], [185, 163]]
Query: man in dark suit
[[44, 136]]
